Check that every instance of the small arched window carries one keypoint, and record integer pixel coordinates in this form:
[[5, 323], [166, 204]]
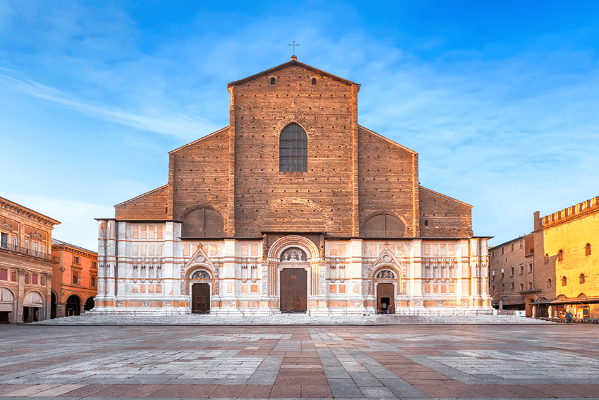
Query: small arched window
[[549, 283], [272, 81], [581, 278], [560, 255], [314, 81], [564, 281], [426, 222], [546, 258], [587, 249], [293, 149]]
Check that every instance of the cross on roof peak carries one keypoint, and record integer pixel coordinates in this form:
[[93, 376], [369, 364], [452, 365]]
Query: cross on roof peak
[[293, 45]]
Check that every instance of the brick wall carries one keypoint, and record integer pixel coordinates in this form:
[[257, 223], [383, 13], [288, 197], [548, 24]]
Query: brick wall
[[388, 179], [447, 217], [199, 176], [320, 199], [150, 205]]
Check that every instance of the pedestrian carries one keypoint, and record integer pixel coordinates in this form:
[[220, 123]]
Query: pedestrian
[[568, 317]]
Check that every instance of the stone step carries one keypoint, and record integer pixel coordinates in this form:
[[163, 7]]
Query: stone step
[[287, 319]]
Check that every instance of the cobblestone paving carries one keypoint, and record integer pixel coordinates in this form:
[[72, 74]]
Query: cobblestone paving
[[399, 361]]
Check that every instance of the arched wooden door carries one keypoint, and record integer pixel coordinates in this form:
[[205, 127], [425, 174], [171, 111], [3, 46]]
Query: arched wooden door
[[200, 298], [385, 298], [294, 290]]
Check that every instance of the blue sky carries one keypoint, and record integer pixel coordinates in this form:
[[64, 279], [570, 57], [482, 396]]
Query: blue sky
[[499, 99]]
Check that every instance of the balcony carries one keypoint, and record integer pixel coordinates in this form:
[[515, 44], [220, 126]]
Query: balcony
[[28, 252]]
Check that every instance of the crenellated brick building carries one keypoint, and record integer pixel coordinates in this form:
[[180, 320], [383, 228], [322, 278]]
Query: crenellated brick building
[[556, 267], [292, 207]]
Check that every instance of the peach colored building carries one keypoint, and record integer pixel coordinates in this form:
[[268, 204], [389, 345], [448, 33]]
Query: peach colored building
[[25, 263], [75, 281]]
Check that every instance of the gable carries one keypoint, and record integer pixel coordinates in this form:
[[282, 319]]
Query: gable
[[292, 63], [148, 206]]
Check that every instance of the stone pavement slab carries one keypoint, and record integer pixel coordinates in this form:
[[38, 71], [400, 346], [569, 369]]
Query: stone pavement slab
[[341, 362]]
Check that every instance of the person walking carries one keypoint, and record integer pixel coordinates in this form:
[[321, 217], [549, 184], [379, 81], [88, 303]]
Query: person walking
[[568, 317]]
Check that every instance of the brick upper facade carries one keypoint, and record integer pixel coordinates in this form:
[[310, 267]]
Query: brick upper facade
[[353, 174]]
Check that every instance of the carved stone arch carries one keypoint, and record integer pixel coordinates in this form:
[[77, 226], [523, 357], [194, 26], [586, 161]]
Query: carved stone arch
[[202, 220], [400, 278], [277, 248], [201, 266], [371, 225]]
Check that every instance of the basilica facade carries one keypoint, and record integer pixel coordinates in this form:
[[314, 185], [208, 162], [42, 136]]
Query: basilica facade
[[293, 207]]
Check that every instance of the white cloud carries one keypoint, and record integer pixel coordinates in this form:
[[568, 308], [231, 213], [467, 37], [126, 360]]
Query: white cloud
[[77, 226], [177, 125]]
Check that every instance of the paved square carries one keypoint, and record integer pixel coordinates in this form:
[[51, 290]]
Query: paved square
[[392, 361]]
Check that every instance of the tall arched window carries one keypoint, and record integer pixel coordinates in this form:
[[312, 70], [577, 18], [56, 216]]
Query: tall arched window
[[564, 281], [587, 249], [549, 283], [560, 255], [293, 149], [581, 279]]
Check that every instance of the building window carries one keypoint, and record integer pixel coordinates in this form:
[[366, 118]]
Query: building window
[[93, 282], [293, 149], [34, 279], [94, 264], [521, 269], [426, 222], [512, 285], [581, 278], [587, 249], [502, 251], [27, 278], [43, 249], [513, 270], [529, 285], [564, 281], [26, 247], [314, 81], [4, 240], [3, 274], [521, 287], [272, 81], [14, 243], [512, 247], [75, 260], [502, 273], [530, 268], [521, 244], [549, 283], [560, 255], [13, 276], [42, 280], [75, 278], [493, 287]]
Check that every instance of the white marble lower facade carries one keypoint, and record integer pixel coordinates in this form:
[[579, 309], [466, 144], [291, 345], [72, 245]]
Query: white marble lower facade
[[146, 268]]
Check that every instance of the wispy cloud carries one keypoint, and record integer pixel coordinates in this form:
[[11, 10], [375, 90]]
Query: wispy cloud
[[177, 125]]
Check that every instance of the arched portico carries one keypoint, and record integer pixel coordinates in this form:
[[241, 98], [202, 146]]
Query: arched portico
[[293, 267], [386, 282]]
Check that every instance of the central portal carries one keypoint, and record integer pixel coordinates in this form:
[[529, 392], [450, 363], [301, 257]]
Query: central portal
[[294, 290], [200, 298]]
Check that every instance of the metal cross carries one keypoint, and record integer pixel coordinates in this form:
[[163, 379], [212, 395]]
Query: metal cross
[[294, 45]]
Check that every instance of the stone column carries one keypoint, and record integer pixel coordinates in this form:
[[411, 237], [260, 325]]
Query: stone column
[[20, 293], [48, 307]]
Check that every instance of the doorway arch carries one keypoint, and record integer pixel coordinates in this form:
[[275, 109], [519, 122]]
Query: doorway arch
[[89, 304], [73, 306]]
